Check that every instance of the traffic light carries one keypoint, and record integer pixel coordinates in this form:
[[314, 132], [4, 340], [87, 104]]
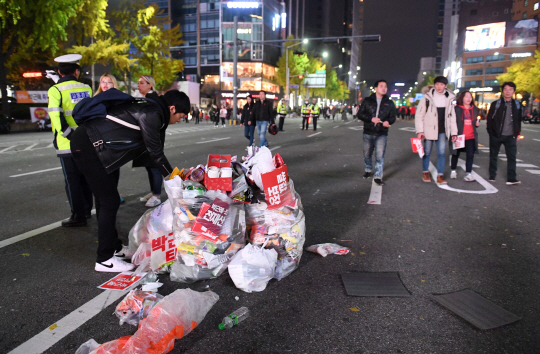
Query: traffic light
[[31, 75]]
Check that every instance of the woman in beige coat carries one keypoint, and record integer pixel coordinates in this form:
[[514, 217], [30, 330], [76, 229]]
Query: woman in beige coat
[[436, 122]]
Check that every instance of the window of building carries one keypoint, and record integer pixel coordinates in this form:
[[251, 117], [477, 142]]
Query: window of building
[[525, 15], [490, 71], [472, 83], [535, 6], [495, 57], [473, 72], [526, 3], [473, 60], [491, 83], [505, 11]]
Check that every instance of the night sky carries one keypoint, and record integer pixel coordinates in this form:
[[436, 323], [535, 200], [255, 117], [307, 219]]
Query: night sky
[[408, 30]]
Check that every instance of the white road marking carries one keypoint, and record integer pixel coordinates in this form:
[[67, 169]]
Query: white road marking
[[211, 141], [318, 190], [483, 148], [275, 147], [530, 130], [49, 337], [50, 145], [8, 148], [489, 189], [349, 122], [33, 233], [505, 159], [337, 126], [526, 165], [357, 128], [33, 173], [534, 172], [409, 129], [309, 136], [376, 193], [536, 139], [30, 147]]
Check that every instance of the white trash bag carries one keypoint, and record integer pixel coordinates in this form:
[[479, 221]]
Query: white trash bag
[[252, 268]]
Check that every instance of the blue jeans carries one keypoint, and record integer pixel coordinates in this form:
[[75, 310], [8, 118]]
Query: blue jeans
[[261, 128], [375, 143], [441, 150], [156, 180], [249, 133]]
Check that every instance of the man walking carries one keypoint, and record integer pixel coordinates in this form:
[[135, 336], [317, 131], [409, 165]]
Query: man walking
[[315, 112], [436, 122], [377, 112], [114, 129], [306, 110], [282, 111], [195, 114], [63, 96], [263, 112], [504, 127]]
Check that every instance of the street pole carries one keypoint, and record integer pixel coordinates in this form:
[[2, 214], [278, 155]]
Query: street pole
[[297, 10], [235, 70], [290, 17], [287, 71], [303, 16]]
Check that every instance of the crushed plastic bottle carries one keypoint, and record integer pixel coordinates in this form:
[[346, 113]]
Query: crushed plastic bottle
[[234, 318]]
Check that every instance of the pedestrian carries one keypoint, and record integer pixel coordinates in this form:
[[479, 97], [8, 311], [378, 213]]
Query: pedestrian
[[306, 110], [63, 96], [378, 112], [115, 117], [436, 122], [263, 112], [146, 85], [223, 116], [106, 81], [504, 127], [282, 111], [315, 112], [413, 111], [196, 114], [466, 113], [335, 110], [344, 114]]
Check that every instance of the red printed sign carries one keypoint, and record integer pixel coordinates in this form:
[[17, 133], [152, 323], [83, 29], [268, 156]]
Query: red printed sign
[[163, 250], [276, 188], [460, 142], [210, 219], [121, 282]]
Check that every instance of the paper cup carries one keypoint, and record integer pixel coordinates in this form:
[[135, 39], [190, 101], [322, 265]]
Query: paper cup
[[226, 172], [213, 172]]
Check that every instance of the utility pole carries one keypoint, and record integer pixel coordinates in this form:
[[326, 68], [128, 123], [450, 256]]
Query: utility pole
[[303, 16], [290, 17], [297, 10], [235, 70], [198, 39]]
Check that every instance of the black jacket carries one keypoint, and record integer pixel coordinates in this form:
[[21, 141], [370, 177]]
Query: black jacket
[[460, 122], [116, 144], [247, 114], [496, 116], [368, 110], [263, 111]]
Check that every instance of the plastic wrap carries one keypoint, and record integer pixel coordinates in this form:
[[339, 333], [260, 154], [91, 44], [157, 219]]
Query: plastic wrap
[[208, 229], [157, 220], [174, 317], [282, 229], [324, 249], [143, 251], [136, 306], [87, 347], [252, 268]]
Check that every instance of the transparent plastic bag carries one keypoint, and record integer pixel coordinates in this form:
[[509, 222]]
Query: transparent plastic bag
[[172, 318], [136, 306], [324, 249], [143, 251], [154, 221], [87, 347], [252, 268]]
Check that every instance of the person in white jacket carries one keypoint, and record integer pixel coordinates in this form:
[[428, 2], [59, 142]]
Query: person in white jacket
[[436, 122]]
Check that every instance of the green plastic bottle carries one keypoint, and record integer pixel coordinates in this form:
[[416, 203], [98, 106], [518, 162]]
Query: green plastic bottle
[[234, 318]]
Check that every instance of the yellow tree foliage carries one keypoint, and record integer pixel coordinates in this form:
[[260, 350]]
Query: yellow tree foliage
[[525, 73]]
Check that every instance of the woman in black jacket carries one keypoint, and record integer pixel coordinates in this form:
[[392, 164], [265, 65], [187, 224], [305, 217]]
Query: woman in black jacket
[[466, 119], [248, 119]]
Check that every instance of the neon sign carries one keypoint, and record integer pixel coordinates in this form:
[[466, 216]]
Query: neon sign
[[242, 5]]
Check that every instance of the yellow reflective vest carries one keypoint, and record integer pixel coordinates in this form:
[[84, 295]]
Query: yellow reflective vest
[[315, 109], [63, 97], [306, 109], [282, 109]]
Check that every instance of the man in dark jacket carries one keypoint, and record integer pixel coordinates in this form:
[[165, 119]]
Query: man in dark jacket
[[109, 136], [264, 115], [378, 112], [504, 127]]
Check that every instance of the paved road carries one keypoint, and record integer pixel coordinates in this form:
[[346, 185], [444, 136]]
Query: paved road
[[438, 240]]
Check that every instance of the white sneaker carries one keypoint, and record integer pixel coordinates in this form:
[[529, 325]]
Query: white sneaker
[[153, 202], [114, 265], [124, 253], [453, 174], [146, 197], [468, 178]]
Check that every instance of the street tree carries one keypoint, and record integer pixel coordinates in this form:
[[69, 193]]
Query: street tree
[[28, 26], [525, 73]]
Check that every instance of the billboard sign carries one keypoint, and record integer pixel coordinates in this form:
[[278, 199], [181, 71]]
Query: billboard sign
[[32, 96], [524, 32], [488, 36]]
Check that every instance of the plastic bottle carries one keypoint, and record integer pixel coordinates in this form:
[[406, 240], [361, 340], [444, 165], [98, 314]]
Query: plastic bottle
[[234, 318]]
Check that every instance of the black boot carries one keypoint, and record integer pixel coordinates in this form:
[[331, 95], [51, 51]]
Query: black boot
[[74, 221]]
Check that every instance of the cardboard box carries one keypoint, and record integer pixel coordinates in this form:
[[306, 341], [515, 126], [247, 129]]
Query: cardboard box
[[220, 183]]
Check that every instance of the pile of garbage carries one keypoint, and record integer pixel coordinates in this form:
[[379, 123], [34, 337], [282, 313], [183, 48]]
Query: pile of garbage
[[212, 210]]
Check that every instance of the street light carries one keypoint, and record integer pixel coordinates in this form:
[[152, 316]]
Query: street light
[[349, 73], [305, 41], [340, 66], [325, 54]]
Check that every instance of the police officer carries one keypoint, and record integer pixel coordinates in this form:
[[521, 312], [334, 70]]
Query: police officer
[[63, 96], [282, 111], [315, 112], [306, 110]]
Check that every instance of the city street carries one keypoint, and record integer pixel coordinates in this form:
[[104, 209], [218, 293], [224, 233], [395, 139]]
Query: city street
[[483, 236]]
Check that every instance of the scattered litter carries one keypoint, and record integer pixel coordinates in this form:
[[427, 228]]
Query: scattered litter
[[346, 240], [53, 326], [253, 267], [423, 251], [354, 309], [324, 249], [136, 306], [151, 286], [25, 254], [87, 347], [234, 318], [236, 298]]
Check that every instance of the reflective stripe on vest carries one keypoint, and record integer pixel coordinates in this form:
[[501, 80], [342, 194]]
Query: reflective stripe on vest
[[126, 124], [72, 86]]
